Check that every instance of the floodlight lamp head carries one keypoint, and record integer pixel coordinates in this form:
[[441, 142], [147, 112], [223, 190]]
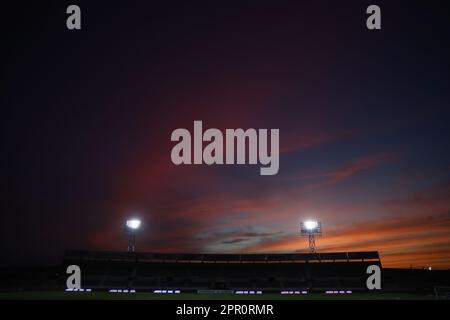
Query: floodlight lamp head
[[133, 224], [311, 225]]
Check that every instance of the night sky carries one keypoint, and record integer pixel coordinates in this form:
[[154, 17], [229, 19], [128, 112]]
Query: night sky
[[363, 116]]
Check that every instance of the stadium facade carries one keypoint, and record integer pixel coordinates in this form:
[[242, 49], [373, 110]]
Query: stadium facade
[[235, 272], [339, 272]]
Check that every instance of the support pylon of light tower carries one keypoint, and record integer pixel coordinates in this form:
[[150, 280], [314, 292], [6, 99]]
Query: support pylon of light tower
[[312, 243], [132, 242]]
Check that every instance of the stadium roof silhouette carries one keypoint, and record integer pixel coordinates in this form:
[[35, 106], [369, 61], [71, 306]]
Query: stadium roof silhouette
[[229, 257]]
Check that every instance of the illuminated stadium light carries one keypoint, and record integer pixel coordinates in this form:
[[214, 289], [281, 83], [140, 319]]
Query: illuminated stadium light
[[310, 225], [131, 228], [133, 223], [311, 229]]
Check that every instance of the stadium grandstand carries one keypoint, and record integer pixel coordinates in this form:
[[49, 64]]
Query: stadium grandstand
[[193, 272], [196, 273]]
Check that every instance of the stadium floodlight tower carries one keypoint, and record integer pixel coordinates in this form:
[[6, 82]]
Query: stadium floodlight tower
[[311, 229], [131, 229]]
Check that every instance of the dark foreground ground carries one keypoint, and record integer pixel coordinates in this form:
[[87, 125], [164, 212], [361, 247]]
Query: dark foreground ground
[[57, 295]]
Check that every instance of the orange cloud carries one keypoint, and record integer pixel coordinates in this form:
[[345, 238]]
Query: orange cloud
[[402, 241]]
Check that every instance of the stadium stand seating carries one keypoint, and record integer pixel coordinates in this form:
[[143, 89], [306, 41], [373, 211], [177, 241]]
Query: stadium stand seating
[[308, 271], [317, 272]]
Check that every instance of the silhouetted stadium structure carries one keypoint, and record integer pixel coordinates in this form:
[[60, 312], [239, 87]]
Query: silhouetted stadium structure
[[192, 272], [268, 273]]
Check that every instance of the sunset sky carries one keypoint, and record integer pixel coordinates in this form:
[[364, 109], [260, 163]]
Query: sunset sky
[[363, 119]]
